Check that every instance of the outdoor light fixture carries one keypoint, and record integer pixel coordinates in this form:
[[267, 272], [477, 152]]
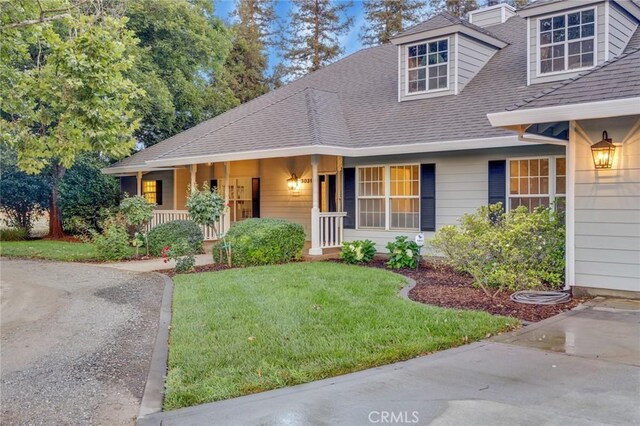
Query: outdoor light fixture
[[603, 152], [293, 182]]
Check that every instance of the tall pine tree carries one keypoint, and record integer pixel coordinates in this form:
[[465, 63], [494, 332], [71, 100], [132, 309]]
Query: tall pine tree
[[385, 18], [458, 8], [312, 39], [246, 64]]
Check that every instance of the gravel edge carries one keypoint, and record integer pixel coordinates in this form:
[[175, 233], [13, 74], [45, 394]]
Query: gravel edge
[[153, 395]]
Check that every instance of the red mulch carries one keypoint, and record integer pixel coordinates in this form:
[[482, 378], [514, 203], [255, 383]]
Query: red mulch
[[66, 238], [444, 287]]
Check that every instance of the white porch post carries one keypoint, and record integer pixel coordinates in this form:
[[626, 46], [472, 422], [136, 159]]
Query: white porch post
[[227, 217], [193, 169], [139, 183], [315, 209], [570, 208]]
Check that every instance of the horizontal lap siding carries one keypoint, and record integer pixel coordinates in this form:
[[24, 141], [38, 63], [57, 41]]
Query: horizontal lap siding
[[461, 184], [166, 176], [472, 56], [607, 217], [621, 28]]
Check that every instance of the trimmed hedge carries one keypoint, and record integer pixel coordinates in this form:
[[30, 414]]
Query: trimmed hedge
[[170, 233], [262, 242]]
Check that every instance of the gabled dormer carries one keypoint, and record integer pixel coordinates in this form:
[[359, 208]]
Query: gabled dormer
[[566, 38], [440, 56]]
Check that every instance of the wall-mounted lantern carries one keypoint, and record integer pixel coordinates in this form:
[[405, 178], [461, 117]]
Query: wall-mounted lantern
[[293, 182], [603, 152]]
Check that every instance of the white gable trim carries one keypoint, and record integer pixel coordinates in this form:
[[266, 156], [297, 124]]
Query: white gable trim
[[583, 111]]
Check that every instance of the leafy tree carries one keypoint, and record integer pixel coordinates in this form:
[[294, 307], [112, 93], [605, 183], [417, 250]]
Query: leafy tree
[[246, 65], [64, 92], [22, 197], [86, 193], [312, 39], [458, 8], [385, 18], [180, 59]]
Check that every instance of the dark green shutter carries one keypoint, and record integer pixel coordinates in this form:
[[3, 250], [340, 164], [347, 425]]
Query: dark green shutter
[[332, 193], [255, 197], [214, 184], [159, 192], [428, 197], [349, 195], [498, 182]]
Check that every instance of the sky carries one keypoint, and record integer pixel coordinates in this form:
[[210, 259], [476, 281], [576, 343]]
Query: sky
[[349, 41]]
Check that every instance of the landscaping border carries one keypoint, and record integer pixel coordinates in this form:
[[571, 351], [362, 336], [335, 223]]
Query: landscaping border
[[153, 395]]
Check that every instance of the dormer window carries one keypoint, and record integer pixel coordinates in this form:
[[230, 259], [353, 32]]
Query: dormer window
[[567, 42], [428, 66]]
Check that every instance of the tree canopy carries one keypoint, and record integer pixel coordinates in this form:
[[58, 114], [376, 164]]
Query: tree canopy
[[385, 18]]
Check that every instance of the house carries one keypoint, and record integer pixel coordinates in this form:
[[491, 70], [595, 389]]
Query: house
[[404, 138]]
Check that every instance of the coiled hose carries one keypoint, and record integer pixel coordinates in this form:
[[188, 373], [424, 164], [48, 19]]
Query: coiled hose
[[540, 297]]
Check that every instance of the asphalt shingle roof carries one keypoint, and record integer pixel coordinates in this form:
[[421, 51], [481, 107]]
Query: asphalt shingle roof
[[354, 103], [616, 79], [442, 20]]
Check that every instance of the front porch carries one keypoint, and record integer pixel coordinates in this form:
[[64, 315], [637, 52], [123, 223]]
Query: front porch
[[302, 189]]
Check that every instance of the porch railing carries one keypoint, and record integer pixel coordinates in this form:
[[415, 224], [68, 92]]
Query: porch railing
[[163, 216], [331, 229]]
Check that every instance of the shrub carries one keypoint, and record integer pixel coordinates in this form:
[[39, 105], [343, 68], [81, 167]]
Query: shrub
[[206, 208], [87, 194], [361, 251], [182, 253], [113, 243], [403, 253], [262, 242], [136, 211], [169, 233], [506, 251], [13, 234]]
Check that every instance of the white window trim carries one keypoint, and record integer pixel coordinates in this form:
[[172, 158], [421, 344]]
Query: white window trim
[[386, 197], [566, 55], [552, 194], [221, 183], [406, 67]]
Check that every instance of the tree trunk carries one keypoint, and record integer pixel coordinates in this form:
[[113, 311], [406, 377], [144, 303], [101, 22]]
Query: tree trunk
[[55, 218]]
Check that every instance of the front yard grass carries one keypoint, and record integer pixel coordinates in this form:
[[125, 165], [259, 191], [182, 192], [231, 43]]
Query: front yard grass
[[242, 331], [49, 249]]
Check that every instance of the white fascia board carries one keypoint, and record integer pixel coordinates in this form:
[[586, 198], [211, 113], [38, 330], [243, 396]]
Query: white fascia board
[[583, 111], [132, 170], [455, 145], [555, 7], [451, 29]]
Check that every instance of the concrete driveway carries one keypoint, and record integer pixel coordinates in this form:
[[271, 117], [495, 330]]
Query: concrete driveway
[[579, 368], [76, 341]]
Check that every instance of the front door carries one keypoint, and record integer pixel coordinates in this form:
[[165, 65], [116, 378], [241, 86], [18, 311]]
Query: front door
[[327, 193]]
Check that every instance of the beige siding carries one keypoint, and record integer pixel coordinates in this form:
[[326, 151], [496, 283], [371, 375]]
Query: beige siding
[[403, 74], [183, 179], [534, 50], [488, 17], [621, 28], [461, 183], [472, 56], [607, 210]]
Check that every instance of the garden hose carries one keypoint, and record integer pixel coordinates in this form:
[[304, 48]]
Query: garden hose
[[540, 297]]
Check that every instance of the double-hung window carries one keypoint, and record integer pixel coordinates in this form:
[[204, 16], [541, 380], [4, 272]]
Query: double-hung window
[[389, 197], [428, 66], [535, 182], [567, 41]]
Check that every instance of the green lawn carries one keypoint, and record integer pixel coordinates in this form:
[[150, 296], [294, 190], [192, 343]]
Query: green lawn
[[47, 249], [242, 331]]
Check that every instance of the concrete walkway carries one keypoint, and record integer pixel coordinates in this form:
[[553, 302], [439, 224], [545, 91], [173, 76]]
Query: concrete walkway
[[581, 367], [154, 264]]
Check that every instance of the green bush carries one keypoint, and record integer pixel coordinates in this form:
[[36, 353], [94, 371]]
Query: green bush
[[113, 243], [403, 253], [262, 242], [170, 233], [360, 251], [137, 211], [183, 254], [507, 251], [13, 234]]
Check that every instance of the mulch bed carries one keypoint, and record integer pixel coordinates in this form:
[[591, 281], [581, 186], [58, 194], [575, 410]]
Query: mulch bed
[[441, 286], [203, 268]]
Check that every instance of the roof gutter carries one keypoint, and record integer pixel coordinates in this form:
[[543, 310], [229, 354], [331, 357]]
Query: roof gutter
[[583, 111]]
